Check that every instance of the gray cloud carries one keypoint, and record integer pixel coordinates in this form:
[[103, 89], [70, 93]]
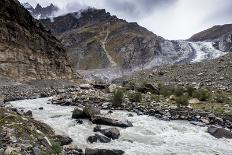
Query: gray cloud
[[137, 8], [172, 19]]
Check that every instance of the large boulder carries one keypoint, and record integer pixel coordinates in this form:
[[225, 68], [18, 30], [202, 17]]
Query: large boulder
[[98, 138], [112, 133], [103, 152], [64, 140], [90, 111], [219, 132], [85, 86], [78, 113], [101, 120]]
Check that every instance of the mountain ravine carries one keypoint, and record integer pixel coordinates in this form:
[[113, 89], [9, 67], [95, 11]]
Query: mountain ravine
[[27, 49], [97, 40]]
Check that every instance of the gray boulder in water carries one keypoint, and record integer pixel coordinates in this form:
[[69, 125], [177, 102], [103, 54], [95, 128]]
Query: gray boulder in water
[[112, 133], [90, 111], [98, 138], [103, 152], [219, 132], [111, 122], [78, 113]]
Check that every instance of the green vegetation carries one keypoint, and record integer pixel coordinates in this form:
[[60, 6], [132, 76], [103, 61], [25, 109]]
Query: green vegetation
[[220, 97], [56, 147], [182, 101], [202, 94], [135, 97], [117, 98]]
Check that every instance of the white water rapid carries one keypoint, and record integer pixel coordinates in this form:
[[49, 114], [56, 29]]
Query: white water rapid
[[149, 135]]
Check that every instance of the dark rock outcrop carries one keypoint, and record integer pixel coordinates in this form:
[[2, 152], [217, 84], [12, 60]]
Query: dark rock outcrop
[[64, 140], [112, 133], [27, 49], [101, 120], [98, 138], [219, 132], [103, 152]]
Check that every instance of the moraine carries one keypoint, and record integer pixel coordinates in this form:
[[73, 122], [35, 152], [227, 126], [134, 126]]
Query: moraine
[[149, 135]]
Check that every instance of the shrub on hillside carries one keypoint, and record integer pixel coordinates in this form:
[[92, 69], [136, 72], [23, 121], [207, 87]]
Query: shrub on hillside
[[164, 90], [117, 98], [182, 101], [190, 90], [179, 91], [221, 98], [202, 94], [135, 97]]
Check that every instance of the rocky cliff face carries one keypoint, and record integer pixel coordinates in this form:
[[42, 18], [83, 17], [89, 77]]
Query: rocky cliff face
[[221, 35], [27, 49], [97, 40]]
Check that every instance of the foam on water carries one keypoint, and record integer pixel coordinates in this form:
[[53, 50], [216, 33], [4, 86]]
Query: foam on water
[[150, 136]]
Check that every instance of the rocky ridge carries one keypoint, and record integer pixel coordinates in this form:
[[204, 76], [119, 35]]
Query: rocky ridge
[[40, 12], [28, 50], [97, 40]]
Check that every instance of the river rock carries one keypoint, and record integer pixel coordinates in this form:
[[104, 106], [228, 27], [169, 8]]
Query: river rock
[[85, 86], [98, 137], [103, 152], [36, 151], [64, 140], [90, 111], [28, 113], [219, 132], [112, 133], [78, 113], [101, 120], [92, 139], [102, 138]]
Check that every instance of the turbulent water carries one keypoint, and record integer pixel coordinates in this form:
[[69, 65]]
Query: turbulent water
[[148, 136], [173, 52]]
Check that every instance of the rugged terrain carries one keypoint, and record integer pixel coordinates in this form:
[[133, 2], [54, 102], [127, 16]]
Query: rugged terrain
[[40, 12], [28, 50], [97, 40], [221, 35]]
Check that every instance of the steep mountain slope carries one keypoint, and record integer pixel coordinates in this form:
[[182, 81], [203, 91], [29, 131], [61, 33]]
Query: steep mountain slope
[[40, 12], [221, 35], [27, 49], [97, 40]]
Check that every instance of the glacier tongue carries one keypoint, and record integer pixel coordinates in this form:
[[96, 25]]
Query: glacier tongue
[[205, 51]]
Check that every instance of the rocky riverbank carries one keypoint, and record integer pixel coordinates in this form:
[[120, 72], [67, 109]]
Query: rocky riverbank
[[147, 99]]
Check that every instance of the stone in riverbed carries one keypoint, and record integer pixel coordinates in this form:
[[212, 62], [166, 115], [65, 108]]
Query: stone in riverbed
[[219, 132], [103, 152], [36, 151], [90, 111], [98, 137], [112, 133], [92, 139], [111, 122], [78, 113], [64, 140]]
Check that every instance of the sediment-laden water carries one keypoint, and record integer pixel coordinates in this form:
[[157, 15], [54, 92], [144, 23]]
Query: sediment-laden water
[[148, 136]]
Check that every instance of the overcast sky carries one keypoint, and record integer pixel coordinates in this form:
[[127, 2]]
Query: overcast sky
[[171, 19]]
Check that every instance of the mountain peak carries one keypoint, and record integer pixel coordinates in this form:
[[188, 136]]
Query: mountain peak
[[40, 12]]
